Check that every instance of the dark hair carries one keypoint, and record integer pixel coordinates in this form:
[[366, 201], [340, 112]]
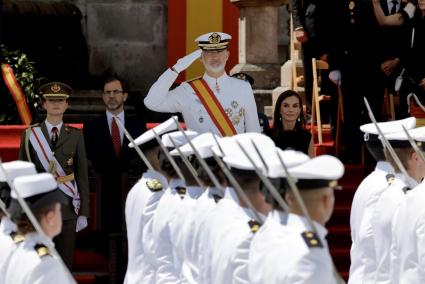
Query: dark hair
[[113, 78], [277, 126], [24, 224]]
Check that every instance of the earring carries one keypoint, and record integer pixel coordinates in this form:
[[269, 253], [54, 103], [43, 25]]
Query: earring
[[299, 119], [280, 118]]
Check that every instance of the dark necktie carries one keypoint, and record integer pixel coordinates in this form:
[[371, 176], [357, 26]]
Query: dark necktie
[[54, 138], [116, 138], [394, 7]]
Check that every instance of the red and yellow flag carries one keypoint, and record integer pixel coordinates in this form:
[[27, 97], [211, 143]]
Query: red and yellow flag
[[213, 107], [17, 94]]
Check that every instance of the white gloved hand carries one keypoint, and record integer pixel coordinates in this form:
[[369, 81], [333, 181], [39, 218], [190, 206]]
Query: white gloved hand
[[81, 223], [186, 61], [335, 77], [410, 10]]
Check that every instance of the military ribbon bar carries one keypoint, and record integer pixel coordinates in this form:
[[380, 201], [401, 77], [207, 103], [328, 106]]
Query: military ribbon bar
[[17, 94], [213, 107]]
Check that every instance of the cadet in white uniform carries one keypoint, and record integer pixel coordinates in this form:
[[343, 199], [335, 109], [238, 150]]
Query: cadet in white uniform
[[9, 237], [141, 203], [285, 250], [235, 96], [391, 198], [32, 262], [167, 267], [363, 258], [408, 236]]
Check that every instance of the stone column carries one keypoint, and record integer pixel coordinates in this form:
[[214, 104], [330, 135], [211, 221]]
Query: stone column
[[258, 41]]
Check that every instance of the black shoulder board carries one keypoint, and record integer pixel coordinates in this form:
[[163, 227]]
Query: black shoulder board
[[17, 238], [217, 198], [181, 190], [194, 79], [42, 250], [406, 189], [312, 240], [254, 225], [154, 185], [390, 178]]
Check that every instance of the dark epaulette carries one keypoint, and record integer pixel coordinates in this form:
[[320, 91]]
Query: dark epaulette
[[17, 238], [406, 189], [312, 240], [254, 225], [193, 79], [154, 185], [217, 198], [390, 178], [42, 250], [34, 125], [69, 128], [181, 191]]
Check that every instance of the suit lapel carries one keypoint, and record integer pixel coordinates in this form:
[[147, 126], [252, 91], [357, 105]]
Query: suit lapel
[[46, 133], [104, 132], [63, 135], [384, 5]]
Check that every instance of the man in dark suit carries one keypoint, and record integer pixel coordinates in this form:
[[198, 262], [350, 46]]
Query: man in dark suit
[[59, 149], [108, 151]]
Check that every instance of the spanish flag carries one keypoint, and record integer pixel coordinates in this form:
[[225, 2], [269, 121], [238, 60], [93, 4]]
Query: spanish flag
[[17, 94], [188, 19]]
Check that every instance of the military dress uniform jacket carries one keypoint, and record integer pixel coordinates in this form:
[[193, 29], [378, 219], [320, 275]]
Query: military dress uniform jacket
[[363, 258], [234, 95], [140, 206], [407, 263], [288, 253], [71, 155], [7, 244], [32, 263]]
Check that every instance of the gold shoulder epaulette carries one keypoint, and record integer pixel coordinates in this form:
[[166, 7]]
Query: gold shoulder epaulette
[[42, 250], [194, 79], [154, 185], [254, 225], [17, 238], [34, 125], [390, 178], [312, 240]]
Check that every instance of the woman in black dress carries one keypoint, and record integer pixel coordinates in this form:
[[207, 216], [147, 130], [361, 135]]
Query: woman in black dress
[[288, 130]]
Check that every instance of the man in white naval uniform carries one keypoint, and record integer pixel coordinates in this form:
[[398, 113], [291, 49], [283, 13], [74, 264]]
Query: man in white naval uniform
[[285, 250], [389, 201], [167, 267], [140, 206], [363, 258], [9, 237], [235, 96], [408, 237]]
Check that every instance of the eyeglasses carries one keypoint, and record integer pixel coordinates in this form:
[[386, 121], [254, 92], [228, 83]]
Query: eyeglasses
[[112, 92]]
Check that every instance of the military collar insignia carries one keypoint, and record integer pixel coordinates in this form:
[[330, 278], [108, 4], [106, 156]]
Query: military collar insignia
[[42, 250], [254, 226], [390, 179], [217, 198], [181, 190], [154, 185], [17, 238], [312, 240]]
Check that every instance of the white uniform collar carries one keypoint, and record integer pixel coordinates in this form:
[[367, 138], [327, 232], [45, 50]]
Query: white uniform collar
[[175, 182], [214, 190], [297, 221], [213, 81], [7, 226], [385, 167], [194, 191], [230, 194], [49, 127], [34, 238], [409, 181], [279, 217]]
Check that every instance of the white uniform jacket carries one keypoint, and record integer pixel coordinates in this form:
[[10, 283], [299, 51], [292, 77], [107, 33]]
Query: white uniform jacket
[[140, 206], [27, 266], [363, 258], [408, 242], [7, 227], [279, 254], [235, 96]]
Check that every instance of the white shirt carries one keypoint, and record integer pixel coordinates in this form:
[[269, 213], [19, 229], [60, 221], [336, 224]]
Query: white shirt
[[280, 255], [390, 6], [140, 206], [26, 266], [166, 266], [49, 127], [121, 117], [235, 96], [386, 207], [6, 242], [408, 243], [363, 258]]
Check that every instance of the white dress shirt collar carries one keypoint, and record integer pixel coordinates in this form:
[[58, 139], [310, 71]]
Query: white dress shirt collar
[[385, 167], [390, 5], [7, 226], [121, 117], [49, 127]]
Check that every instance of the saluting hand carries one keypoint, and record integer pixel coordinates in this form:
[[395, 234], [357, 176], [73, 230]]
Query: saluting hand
[[184, 62]]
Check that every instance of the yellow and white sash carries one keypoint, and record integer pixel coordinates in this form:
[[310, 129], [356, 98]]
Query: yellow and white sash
[[51, 165], [213, 107]]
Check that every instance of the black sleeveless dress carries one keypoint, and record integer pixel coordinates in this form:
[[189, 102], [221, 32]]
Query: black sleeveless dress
[[293, 140]]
